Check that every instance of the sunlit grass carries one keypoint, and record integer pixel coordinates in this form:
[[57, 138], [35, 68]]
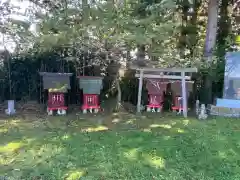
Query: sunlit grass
[[3, 130], [166, 126], [132, 154], [11, 146], [95, 129], [75, 175], [130, 121], [186, 122], [159, 148], [180, 130], [155, 161]]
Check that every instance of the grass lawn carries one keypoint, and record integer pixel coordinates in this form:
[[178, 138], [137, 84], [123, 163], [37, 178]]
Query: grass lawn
[[151, 148]]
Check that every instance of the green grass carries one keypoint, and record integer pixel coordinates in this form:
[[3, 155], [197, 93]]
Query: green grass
[[150, 148]]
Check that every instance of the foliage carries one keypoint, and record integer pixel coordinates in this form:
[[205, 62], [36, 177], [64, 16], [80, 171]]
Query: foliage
[[60, 88], [165, 33], [114, 29], [14, 32]]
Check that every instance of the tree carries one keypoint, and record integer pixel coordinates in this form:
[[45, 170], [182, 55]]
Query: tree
[[166, 33]]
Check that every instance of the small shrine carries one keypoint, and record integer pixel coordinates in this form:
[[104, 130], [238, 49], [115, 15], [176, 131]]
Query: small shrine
[[57, 85], [158, 86], [159, 80], [91, 86]]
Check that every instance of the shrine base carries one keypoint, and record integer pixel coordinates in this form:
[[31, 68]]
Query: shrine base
[[57, 110], [154, 108], [91, 109]]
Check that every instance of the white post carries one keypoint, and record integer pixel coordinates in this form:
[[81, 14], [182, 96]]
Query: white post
[[140, 84], [184, 95]]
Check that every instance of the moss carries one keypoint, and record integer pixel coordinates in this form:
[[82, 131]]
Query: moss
[[59, 88]]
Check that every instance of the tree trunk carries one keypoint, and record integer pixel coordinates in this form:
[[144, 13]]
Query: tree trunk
[[119, 95], [128, 58], [8, 58], [209, 45], [224, 27], [183, 36], [193, 21], [85, 11], [211, 28], [141, 55]]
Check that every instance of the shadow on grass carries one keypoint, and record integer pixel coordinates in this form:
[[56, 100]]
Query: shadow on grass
[[166, 148]]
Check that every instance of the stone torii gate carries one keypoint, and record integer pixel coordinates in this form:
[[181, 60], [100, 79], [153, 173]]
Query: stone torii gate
[[143, 72]]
